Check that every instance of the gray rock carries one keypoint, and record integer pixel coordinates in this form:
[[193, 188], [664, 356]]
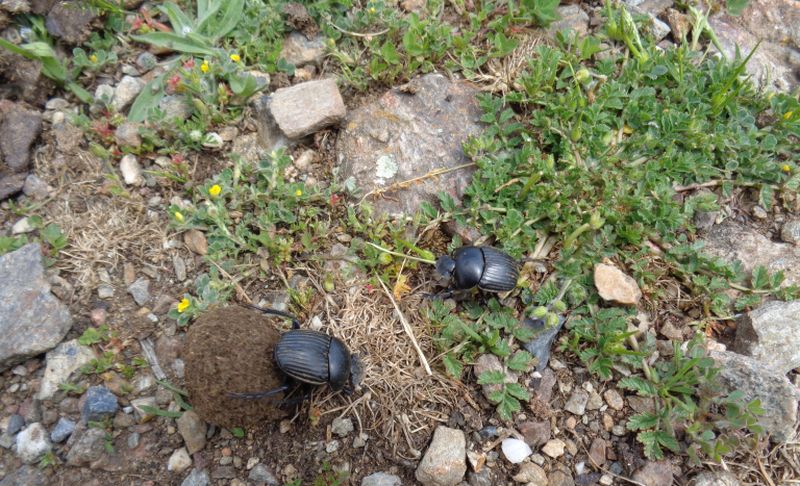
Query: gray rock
[[140, 290], [88, 447], [768, 66], [409, 132], [482, 478], [444, 463], [490, 362], [62, 430], [146, 61], [175, 106], [260, 474], [69, 21], [61, 362], [771, 335], [193, 430], [381, 479], [15, 7], [35, 187], [655, 473], [571, 17], [127, 134], [198, 477], [133, 440], [714, 478], [180, 268], [15, 424], [306, 108], [299, 50], [7, 441], [32, 320], [104, 94], [105, 291], [531, 475], [790, 233], [126, 91], [139, 410], [27, 476], [342, 426], [732, 241], [19, 128], [652, 7], [11, 184], [56, 104], [33, 443], [561, 477], [777, 395], [577, 402], [100, 403], [541, 344]]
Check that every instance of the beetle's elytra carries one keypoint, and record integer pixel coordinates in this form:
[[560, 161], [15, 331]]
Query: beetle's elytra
[[311, 357], [487, 268]]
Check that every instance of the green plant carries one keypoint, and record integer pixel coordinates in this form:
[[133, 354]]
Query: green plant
[[12, 243], [47, 460], [94, 335]]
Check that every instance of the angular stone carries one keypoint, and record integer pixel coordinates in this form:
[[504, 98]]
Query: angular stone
[[196, 241], [69, 21], [771, 335], [32, 443], [540, 345], [577, 402], [535, 433], [756, 381], [100, 403], [179, 461], [87, 448], [11, 184], [193, 430], [140, 291], [715, 478], [614, 285], [62, 430], [61, 362], [732, 241], [198, 477], [515, 450], [531, 475], [342, 426], [597, 451], [306, 108], [409, 132], [32, 320], [19, 128], [444, 463], [260, 474], [790, 232], [554, 448], [128, 88], [572, 18], [299, 50], [381, 479], [654, 473], [127, 134]]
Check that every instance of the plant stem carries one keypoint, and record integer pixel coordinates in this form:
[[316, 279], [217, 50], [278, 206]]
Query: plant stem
[[402, 255]]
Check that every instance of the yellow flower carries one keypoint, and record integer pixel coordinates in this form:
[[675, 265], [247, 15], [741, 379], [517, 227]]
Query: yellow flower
[[214, 190], [204, 66], [183, 305], [787, 115], [179, 216], [235, 58], [372, 10], [93, 58], [298, 193], [786, 168], [331, 42]]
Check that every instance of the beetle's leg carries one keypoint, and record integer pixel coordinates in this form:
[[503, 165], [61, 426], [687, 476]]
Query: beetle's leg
[[259, 395], [276, 312]]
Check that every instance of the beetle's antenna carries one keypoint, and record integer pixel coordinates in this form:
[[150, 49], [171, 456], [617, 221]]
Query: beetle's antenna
[[276, 312]]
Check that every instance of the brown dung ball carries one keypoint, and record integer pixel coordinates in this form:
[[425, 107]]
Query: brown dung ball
[[230, 350]]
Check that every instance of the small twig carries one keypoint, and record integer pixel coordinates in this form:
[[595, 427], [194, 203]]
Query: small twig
[[407, 328], [697, 185], [763, 472], [358, 34], [239, 288]]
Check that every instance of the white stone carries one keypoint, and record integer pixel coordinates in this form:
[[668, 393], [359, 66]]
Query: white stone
[[516, 450], [33, 442], [62, 361], [22, 226], [179, 461], [131, 170]]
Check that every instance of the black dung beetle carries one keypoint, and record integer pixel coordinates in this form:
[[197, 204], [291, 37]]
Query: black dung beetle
[[484, 267], [310, 357]]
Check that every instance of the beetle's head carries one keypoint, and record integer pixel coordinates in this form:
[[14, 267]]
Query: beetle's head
[[356, 371], [445, 267]]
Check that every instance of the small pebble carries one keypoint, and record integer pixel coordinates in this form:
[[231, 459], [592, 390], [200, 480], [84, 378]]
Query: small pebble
[[516, 450], [554, 448]]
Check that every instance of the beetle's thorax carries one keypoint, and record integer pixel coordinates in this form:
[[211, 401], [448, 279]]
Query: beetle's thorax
[[469, 267]]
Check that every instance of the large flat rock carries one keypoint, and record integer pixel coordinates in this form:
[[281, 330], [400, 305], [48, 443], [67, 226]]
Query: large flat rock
[[32, 320], [407, 133]]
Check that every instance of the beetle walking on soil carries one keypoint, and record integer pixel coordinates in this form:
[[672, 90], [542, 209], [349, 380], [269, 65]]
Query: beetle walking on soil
[[487, 268], [310, 357]]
